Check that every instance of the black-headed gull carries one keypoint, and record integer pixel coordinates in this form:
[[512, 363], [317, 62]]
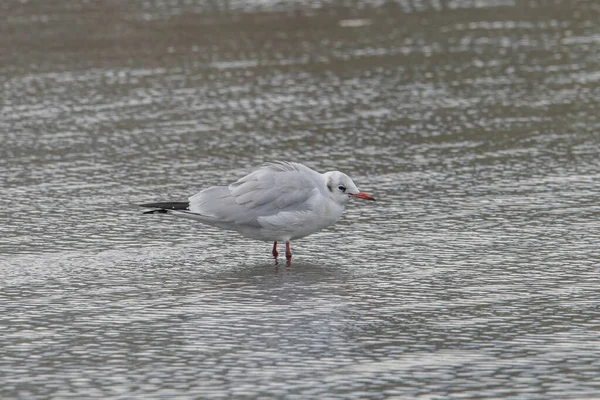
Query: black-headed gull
[[279, 202]]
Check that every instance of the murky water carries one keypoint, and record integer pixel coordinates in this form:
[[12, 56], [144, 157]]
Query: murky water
[[474, 123]]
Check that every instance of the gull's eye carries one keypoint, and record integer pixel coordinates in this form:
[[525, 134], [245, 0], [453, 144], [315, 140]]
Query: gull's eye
[[342, 188]]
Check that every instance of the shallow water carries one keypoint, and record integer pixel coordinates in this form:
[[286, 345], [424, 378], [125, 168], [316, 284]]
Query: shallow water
[[474, 124]]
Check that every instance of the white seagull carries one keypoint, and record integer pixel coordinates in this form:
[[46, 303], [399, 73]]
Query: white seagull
[[279, 202]]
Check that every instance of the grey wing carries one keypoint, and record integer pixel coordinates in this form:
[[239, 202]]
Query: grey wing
[[272, 195]]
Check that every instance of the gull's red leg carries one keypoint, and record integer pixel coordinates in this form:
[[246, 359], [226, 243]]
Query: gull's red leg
[[275, 253], [288, 251]]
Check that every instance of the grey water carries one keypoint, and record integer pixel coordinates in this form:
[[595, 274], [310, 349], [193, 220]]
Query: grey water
[[474, 123]]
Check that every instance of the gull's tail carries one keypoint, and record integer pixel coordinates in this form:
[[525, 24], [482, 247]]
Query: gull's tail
[[166, 207]]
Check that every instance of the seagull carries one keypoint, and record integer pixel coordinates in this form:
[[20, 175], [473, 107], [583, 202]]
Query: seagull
[[279, 202]]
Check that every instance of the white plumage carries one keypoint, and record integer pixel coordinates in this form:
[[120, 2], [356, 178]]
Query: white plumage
[[280, 201]]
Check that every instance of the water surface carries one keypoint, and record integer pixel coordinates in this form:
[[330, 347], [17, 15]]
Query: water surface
[[474, 124]]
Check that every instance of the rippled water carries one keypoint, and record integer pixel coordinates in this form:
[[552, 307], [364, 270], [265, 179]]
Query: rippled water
[[474, 123]]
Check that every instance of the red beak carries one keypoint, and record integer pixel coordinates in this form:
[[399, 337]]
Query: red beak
[[363, 195]]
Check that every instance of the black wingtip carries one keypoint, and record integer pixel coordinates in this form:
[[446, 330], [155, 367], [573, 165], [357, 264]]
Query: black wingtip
[[164, 207]]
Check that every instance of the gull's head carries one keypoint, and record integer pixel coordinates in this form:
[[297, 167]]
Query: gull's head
[[341, 188]]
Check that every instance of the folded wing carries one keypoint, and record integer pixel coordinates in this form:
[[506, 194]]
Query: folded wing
[[275, 194]]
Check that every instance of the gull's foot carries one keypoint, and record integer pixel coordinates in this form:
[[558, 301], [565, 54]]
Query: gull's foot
[[288, 251]]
